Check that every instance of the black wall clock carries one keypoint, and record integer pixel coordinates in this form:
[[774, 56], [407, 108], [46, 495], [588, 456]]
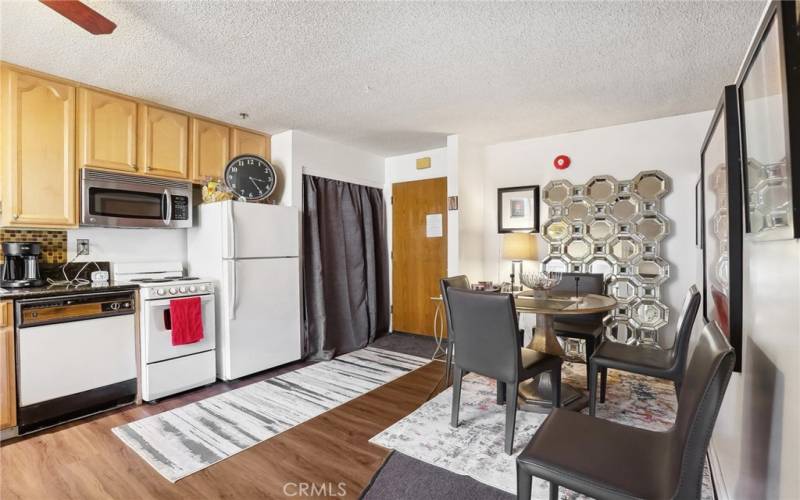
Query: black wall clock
[[250, 177]]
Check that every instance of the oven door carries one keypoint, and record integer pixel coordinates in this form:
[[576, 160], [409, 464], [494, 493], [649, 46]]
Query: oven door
[[157, 331], [116, 200]]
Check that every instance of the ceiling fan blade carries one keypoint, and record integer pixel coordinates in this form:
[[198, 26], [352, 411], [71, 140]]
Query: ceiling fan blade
[[82, 15]]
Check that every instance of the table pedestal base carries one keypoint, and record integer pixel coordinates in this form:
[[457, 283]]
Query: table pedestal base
[[537, 394]]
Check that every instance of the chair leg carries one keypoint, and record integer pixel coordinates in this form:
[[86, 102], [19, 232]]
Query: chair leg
[[524, 480], [501, 392], [677, 387], [592, 386], [589, 352], [603, 381], [456, 396], [448, 363], [555, 383], [511, 415], [553, 491]]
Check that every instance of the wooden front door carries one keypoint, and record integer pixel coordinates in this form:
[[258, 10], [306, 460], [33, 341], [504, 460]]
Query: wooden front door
[[419, 255]]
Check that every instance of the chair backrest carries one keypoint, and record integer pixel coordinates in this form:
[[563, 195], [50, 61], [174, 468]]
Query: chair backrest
[[680, 348], [587, 283], [486, 326], [699, 401], [461, 282]]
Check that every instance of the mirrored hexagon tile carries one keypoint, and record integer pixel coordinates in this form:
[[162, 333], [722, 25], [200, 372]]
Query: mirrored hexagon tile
[[557, 192], [578, 210], [556, 230], [601, 189], [653, 227], [650, 314], [555, 264], [652, 185]]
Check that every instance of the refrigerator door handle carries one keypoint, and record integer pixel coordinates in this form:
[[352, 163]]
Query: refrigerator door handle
[[232, 290], [231, 232]]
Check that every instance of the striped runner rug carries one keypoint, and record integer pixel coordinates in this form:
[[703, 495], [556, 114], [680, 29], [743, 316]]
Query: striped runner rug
[[185, 440]]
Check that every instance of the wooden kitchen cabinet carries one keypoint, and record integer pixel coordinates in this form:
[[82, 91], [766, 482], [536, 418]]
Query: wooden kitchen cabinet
[[163, 142], [106, 131], [209, 149], [39, 179], [8, 382], [244, 142]]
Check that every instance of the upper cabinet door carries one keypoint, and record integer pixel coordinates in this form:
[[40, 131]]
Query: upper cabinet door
[[38, 151], [210, 149], [164, 142], [106, 131], [249, 143]]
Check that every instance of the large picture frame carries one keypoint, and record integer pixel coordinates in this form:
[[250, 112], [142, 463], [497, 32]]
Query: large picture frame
[[721, 178], [768, 91], [518, 209]]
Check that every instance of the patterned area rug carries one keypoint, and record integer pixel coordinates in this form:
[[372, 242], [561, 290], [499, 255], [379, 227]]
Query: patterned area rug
[[185, 440], [475, 448]]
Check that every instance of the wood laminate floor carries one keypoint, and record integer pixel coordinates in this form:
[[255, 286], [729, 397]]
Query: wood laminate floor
[[84, 460]]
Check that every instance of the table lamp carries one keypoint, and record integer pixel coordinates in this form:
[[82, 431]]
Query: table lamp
[[518, 247]]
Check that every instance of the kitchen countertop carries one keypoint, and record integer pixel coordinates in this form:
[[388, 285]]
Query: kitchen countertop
[[54, 290]]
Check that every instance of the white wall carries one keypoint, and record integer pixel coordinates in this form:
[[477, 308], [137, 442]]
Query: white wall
[[756, 439], [295, 153], [471, 204], [668, 144], [129, 245]]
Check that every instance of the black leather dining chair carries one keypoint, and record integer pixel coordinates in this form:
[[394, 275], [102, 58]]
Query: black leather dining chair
[[586, 327], [487, 330], [668, 364], [461, 282], [586, 454]]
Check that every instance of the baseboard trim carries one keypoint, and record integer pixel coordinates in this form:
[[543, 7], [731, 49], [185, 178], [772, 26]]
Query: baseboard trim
[[717, 478]]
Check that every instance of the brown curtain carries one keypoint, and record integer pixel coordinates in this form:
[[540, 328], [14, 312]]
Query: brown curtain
[[346, 266]]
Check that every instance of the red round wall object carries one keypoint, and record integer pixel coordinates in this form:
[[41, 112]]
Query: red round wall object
[[561, 162]]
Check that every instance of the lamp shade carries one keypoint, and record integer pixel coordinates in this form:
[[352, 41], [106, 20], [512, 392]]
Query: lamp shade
[[520, 246]]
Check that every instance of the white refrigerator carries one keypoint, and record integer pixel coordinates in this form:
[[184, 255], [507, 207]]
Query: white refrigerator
[[251, 251]]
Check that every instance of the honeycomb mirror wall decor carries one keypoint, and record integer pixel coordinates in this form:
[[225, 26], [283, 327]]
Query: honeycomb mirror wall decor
[[614, 228]]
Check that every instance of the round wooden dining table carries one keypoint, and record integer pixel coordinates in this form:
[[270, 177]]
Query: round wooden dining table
[[536, 394]]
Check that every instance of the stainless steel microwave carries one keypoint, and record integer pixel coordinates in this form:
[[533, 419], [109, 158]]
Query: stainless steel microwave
[[119, 200]]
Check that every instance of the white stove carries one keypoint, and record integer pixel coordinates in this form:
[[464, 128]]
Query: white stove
[[166, 368]]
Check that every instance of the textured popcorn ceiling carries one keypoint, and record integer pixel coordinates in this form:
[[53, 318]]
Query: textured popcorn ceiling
[[398, 77]]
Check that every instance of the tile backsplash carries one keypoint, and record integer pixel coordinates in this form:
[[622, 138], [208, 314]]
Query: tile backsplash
[[54, 243]]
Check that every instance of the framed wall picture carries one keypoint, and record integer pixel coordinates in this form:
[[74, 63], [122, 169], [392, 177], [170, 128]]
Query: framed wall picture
[[769, 106], [518, 209], [720, 164]]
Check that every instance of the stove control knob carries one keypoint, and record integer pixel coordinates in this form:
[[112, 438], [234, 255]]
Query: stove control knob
[[192, 288], [182, 289], [172, 291], [160, 291], [203, 288]]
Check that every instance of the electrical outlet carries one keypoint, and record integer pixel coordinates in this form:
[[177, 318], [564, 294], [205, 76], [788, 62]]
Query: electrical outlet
[[83, 247]]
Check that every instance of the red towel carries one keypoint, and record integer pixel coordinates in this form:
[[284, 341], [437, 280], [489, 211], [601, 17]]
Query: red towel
[[187, 320]]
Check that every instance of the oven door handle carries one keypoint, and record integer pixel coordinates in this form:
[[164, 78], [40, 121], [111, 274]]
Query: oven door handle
[[168, 197]]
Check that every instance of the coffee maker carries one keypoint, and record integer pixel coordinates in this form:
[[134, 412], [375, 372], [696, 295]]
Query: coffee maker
[[21, 265]]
